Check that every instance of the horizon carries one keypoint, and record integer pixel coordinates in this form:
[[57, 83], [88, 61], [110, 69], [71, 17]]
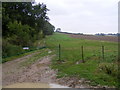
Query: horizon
[[88, 33]]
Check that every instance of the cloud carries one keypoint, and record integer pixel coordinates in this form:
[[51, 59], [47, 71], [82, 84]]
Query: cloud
[[87, 16]]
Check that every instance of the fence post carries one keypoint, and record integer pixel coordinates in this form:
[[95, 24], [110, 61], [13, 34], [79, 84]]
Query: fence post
[[103, 52], [44, 43], [82, 54], [59, 52]]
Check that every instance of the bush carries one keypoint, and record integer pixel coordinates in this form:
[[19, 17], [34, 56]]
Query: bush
[[10, 49], [109, 68], [19, 34]]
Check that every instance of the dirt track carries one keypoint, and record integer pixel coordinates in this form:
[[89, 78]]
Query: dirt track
[[37, 72]]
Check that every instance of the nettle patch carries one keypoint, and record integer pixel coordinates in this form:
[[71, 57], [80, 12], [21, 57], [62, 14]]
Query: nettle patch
[[108, 68]]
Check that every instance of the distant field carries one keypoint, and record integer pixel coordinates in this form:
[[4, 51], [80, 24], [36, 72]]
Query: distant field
[[93, 37], [95, 69]]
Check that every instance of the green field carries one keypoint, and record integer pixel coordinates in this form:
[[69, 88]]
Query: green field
[[96, 69]]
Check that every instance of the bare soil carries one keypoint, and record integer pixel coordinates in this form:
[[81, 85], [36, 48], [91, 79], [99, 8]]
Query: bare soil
[[93, 37], [37, 72]]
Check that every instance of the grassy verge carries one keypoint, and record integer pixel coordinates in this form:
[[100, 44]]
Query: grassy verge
[[18, 56], [95, 69], [38, 56]]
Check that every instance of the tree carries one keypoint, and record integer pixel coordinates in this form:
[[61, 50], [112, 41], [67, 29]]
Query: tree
[[58, 30], [23, 24], [24, 12], [48, 28]]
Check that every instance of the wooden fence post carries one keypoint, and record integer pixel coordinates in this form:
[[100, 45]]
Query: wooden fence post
[[59, 52], [82, 54], [103, 52]]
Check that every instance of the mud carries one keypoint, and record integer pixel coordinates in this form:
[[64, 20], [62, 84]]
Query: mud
[[39, 72], [35, 85], [28, 85], [37, 75]]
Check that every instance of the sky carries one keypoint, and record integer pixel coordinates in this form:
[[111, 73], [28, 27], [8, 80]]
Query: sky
[[83, 16]]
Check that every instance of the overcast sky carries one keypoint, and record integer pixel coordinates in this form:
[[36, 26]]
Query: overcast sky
[[83, 16]]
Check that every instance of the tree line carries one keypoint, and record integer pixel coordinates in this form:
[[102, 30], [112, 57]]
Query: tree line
[[22, 24]]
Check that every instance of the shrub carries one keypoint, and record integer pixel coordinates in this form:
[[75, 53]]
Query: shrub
[[109, 68], [10, 49], [20, 34]]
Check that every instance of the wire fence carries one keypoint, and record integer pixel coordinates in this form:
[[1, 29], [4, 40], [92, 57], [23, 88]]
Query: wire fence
[[101, 53]]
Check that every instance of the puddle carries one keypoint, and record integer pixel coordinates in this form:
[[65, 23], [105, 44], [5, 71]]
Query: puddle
[[35, 85], [28, 85], [57, 86]]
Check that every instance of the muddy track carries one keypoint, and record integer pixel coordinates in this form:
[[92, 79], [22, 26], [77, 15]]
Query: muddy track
[[37, 72]]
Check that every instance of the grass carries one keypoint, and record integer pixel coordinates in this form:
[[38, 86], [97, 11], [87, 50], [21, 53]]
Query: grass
[[95, 68], [98, 71], [38, 56], [19, 55]]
